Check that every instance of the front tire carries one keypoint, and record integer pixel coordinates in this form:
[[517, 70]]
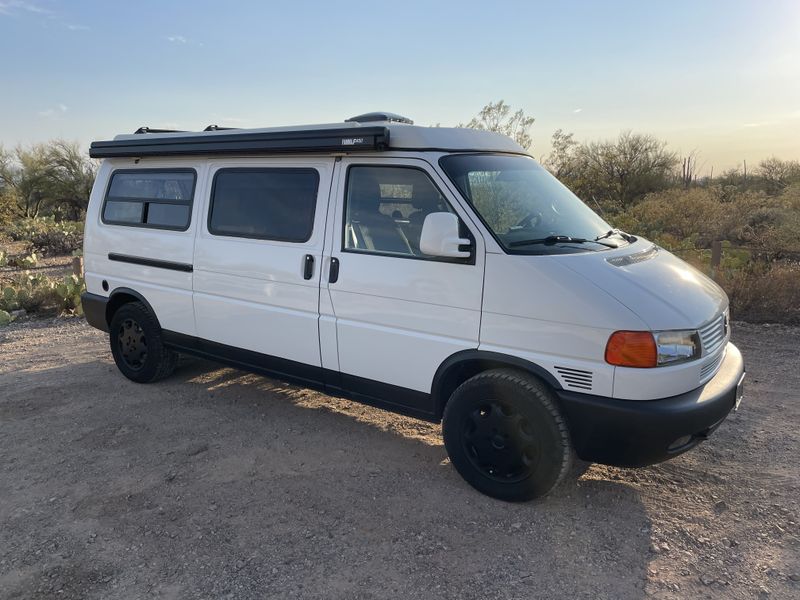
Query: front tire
[[137, 344], [505, 435]]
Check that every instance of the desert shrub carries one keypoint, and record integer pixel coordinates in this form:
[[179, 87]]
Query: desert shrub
[[674, 216], [683, 219], [48, 236], [23, 261], [6, 207], [58, 241], [765, 223], [40, 293], [764, 292]]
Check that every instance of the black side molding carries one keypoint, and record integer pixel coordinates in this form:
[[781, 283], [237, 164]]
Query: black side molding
[[375, 393], [151, 262]]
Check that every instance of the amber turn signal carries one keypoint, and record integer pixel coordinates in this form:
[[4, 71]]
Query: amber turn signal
[[632, 349]]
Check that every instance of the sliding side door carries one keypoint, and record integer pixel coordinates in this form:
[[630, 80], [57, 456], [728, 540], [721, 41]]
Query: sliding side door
[[257, 261]]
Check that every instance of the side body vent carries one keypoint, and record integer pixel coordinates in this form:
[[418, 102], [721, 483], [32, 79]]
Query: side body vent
[[575, 378]]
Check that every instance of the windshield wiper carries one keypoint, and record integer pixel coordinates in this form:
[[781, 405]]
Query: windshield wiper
[[559, 239], [625, 236]]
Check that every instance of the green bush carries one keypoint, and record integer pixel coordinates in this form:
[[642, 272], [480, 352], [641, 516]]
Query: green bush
[[48, 236], [24, 262], [40, 293], [681, 219]]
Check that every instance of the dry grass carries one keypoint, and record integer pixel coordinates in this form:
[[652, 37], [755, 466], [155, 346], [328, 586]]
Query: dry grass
[[764, 293]]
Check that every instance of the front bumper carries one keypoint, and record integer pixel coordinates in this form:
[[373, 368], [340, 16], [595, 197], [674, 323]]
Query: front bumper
[[637, 433]]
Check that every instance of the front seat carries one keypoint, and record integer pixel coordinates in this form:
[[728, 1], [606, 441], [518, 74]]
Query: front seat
[[425, 202], [371, 229]]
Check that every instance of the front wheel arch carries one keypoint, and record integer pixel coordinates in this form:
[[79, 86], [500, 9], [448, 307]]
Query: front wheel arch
[[463, 365]]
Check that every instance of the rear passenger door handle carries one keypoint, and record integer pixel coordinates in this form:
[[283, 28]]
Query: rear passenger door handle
[[308, 267], [333, 274]]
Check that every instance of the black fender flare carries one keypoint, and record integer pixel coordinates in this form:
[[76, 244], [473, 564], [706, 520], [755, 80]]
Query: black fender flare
[[479, 360], [128, 292]]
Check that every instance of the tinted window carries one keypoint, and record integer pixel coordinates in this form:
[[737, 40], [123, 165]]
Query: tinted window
[[168, 215], [267, 204], [124, 212], [160, 199], [386, 208]]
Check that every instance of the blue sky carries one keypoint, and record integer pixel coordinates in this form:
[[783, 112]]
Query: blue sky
[[722, 77]]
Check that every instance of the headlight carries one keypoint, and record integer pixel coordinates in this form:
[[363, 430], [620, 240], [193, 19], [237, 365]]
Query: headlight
[[676, 346], [644, 349]]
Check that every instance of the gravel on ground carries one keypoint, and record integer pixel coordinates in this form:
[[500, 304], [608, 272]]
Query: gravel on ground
[[221, 484]]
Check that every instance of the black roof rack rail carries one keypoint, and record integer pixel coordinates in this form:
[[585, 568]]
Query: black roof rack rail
[[336, 139], [156, 130], [218, 128]]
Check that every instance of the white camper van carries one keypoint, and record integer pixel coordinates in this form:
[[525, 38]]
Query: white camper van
[[440, 273]]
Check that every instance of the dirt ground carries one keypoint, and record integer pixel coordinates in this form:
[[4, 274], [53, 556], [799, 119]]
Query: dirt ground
[[219, 484]]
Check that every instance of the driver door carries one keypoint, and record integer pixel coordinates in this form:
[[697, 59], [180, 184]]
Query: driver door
[[397, 313]]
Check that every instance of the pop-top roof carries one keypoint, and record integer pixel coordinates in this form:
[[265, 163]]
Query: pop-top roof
[[372, 132]]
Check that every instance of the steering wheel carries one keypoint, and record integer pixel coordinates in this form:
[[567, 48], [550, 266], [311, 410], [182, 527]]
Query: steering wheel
[[531, 220]]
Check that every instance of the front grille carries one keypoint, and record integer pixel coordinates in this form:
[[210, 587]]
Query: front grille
[[712, 335], [710, 367], [575, 378]]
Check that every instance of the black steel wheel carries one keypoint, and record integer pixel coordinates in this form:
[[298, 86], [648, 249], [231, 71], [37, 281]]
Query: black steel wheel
[[505, 435], [137, 344], [132, 344], [500, 442]]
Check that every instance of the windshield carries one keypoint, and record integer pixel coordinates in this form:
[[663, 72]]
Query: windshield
[[527, 209]]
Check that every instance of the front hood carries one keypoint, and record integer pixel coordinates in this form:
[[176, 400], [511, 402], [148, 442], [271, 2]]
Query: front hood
[[661, 289]]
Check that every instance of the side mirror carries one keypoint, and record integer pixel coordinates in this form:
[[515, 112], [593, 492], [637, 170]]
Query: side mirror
[[440, 236]]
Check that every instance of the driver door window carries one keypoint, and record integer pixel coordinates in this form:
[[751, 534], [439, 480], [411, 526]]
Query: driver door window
[[386, 208]]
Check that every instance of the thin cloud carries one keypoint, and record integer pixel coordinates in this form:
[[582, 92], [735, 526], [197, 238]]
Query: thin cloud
[[12, 8], [57, 111], [9, 7], [182, 40], [577, 110]]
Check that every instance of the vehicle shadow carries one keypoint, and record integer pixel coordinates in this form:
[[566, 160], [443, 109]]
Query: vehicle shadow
[[216, 481]]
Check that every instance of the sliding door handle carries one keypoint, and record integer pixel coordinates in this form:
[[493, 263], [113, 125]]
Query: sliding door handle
[[333, 274], [308, 267]]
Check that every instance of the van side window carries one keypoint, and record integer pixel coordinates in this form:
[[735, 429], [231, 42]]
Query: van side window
[[264, 204], [386, 208], [156, 198]]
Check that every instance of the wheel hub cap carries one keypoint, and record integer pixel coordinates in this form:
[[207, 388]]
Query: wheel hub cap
[[500, 442], [132, 344]]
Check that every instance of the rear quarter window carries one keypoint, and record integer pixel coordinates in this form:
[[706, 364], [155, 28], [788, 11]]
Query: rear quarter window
[[154, 198]]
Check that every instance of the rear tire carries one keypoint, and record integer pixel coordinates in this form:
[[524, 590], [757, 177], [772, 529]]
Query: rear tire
[[505, 435], [137, 344]]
